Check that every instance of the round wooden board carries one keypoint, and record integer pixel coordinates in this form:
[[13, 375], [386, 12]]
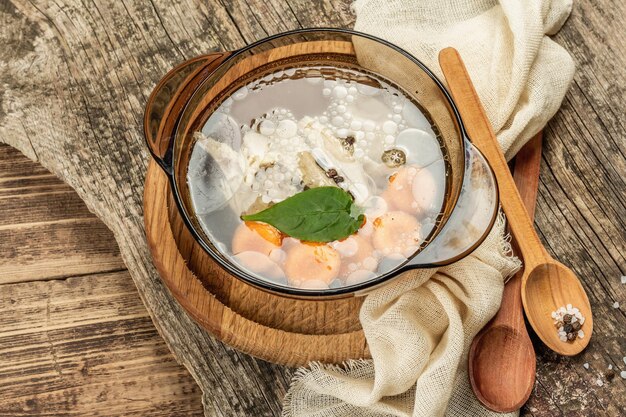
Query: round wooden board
[[270, 327]]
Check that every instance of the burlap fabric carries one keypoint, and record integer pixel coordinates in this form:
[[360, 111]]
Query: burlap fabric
[[419, 328]]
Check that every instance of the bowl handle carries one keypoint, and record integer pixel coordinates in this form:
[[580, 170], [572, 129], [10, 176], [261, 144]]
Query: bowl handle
[[167, 101], [472, 219]]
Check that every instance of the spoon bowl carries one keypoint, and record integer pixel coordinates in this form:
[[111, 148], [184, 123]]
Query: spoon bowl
[[502, 350], [506, 364], [547, 287]]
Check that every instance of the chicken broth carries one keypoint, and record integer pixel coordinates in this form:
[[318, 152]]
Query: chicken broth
[[319, 126]]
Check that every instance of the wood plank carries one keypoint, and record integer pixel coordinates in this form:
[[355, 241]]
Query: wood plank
[[57, 249], [36, 208], [14, 164], [86, 346], [46, 232]]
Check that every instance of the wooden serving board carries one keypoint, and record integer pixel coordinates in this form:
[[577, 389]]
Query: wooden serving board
[[270, 327]]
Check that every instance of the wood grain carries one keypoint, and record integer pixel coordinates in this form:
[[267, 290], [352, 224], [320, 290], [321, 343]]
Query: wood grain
[[83, 70], [86, 346], [74, 338], [45, 229]]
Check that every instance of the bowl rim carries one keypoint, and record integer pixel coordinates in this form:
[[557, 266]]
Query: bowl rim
[[329, 293]]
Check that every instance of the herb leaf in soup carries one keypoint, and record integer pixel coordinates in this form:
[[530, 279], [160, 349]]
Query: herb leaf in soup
[[322, 214]]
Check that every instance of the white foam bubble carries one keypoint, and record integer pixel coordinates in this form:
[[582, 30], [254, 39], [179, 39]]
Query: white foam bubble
[[241, 93], [359, 276], [369, 125], [286, 128], [314, 284], [340, 91], [356, 125], [347, 247], [421, 148], [267, 127], [390, 127], [415, 118]]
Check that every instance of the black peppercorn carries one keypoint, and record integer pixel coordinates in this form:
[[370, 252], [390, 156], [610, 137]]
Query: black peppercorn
[[338, 178], [568, 328], [576, 326], [567, 318], [331, 173], [571, 336]]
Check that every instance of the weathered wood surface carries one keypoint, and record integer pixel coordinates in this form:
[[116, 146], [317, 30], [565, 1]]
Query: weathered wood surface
[[74, 336], [75, 76]]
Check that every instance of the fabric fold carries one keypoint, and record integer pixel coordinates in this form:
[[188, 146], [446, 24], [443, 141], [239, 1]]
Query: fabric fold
[[420, 326]]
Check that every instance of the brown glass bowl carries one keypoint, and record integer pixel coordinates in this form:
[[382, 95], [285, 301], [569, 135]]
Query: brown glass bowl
[[185, 98]]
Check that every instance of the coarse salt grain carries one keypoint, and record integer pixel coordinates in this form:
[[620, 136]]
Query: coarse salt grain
[[624, 359], [586, 365], [568, 320], [623, 374], [599, 382], [610, 367], [616, 305], [623, 279]]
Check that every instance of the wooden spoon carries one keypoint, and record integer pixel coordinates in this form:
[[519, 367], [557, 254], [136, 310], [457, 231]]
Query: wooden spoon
[[546, 283], [502, 360]]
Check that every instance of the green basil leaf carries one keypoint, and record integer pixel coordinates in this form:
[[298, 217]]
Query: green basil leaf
[[322, 214]]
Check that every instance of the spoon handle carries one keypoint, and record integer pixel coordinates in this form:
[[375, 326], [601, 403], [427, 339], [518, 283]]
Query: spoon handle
[[481, 134], [526, 176]]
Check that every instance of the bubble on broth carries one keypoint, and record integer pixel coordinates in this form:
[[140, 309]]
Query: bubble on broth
[[317, 126], [359, 276], [421, 147]]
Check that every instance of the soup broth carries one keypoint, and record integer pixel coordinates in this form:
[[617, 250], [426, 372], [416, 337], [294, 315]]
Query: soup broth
[[318, 126]]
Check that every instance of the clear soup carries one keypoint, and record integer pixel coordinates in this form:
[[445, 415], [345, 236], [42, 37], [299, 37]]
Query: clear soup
[[318, 126]]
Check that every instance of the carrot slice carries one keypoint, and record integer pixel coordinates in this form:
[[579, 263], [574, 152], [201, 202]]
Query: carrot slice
[[267, 232], [256, 237]]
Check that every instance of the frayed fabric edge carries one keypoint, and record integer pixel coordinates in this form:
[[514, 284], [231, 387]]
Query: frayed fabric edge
[[345, 368], [506, 249]]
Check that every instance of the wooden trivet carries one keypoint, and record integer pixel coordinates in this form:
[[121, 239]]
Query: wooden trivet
[[270, 327]]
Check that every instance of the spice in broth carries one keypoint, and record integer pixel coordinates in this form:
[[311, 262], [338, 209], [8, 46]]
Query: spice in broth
[[340, 158]]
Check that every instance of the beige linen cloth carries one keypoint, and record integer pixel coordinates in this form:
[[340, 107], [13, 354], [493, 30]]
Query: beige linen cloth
[[419, 328]]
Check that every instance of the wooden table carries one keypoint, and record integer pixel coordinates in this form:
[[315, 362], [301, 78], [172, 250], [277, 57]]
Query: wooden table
[[75, 338]]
